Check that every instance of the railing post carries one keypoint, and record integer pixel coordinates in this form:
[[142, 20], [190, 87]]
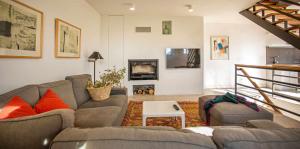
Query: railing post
[[235, 80]]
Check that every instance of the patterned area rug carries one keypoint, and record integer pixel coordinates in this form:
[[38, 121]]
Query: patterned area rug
[[133, 116]]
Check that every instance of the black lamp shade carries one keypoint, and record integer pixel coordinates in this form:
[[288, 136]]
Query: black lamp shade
[[95, 55]]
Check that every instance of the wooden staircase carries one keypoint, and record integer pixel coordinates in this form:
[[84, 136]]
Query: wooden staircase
[[280, 17]]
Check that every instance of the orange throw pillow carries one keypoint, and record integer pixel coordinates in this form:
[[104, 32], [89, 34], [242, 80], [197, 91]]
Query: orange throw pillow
[[50, 101], [16, 107]]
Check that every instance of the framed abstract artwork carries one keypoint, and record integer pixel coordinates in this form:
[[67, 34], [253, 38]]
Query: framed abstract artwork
[[167, 27], [21, 30], [67, 40], [219, 47]]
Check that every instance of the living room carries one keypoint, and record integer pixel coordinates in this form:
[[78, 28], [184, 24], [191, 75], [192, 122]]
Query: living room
[[165, 53]]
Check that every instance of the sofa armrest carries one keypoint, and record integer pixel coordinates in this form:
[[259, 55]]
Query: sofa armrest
[[263, 124], [118, 91], [237, 138], [34, 131]]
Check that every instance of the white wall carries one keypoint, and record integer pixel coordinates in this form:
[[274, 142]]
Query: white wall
[[187, 33], [18, 72], [247, 45]]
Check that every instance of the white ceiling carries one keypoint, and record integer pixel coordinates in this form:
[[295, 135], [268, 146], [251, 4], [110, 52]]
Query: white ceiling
[[172, 7]]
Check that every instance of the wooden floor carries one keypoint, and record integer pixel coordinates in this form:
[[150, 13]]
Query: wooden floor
[[278, 118]]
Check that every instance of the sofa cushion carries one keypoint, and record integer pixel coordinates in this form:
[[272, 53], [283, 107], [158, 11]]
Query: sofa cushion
[[97, 117], [29, 93], [16, 107], [237, 113], [113, 100], [50, 101], [226, 113], [63, 89], [79, 83], [237, 138], [130, 138]]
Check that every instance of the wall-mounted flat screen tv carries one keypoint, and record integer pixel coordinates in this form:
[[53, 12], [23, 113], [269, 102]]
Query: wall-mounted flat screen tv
[[183, 58]]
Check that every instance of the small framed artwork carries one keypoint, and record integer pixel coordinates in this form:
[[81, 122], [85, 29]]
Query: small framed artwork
[[67, 40], [219, 48], [21, 30], [167, 27]]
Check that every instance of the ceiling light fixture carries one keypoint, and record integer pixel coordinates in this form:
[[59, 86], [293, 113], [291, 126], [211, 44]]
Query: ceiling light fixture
[[130, 6], [190, 8]]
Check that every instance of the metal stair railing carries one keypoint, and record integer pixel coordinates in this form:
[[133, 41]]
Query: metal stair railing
[[241, 72]]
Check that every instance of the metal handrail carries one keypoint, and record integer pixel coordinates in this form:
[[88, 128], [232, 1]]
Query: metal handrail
[[239, 67], [283, 109], [286, 76], [281, 95], [279, 82]]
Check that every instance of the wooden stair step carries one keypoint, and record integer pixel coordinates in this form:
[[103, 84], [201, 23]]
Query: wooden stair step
[[291, 22], [270, 13], [278, 6], [259, 8], [294, 22], [293, 28], [281, 16], [274, 4], [268, 3], [283, 10]]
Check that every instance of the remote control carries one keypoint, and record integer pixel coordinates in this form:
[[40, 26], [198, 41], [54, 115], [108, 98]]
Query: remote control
[[175, 107]]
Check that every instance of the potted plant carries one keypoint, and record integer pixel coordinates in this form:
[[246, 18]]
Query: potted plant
[[102, 87]]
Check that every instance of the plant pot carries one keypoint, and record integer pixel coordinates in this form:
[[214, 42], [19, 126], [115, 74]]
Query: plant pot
[[100, 94]]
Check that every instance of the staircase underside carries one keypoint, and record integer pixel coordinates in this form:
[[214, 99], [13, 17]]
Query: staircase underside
[[279, 17], [284, 35]]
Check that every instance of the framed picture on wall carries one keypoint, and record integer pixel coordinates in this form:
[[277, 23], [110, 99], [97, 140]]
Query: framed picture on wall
[[167, 27], [21, 30], [219, 48], [67, 40]]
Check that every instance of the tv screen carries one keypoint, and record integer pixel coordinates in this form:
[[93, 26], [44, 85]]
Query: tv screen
[[183, 58]]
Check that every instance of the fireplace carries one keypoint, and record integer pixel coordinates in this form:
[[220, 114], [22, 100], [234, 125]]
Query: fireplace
[[143, 69]]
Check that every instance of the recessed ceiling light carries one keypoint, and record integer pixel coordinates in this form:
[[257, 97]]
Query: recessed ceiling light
[[190, 8], [130, 6]]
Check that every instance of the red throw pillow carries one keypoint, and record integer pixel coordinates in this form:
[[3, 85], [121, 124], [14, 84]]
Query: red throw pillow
[[50, 101], [16, 107]]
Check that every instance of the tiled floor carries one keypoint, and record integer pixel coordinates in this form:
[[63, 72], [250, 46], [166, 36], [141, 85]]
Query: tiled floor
[[278, 118]]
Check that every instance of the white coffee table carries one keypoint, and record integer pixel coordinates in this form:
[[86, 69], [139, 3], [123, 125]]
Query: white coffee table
[[162, 109]]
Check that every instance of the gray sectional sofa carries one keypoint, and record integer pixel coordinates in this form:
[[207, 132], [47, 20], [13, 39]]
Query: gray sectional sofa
[[96, 125], [226, 137], [39, 130]]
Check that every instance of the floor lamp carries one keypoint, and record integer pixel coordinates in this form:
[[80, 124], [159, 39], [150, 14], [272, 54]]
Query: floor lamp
[[93, 58]]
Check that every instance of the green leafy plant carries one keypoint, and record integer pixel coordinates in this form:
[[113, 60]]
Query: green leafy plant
[[111, 77]]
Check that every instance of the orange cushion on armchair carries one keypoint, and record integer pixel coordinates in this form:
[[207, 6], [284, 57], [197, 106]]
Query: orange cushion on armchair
[[16, 107], [50, 101]]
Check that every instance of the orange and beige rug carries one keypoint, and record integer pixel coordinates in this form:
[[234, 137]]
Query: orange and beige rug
[[133, 116]]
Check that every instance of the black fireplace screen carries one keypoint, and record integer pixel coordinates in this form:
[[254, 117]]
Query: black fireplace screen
[[143, 69]]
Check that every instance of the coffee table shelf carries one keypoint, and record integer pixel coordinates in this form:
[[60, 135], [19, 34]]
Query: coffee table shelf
[[162, 109]]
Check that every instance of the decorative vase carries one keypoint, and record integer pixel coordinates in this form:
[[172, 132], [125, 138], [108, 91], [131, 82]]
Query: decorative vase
[[100, 94]]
